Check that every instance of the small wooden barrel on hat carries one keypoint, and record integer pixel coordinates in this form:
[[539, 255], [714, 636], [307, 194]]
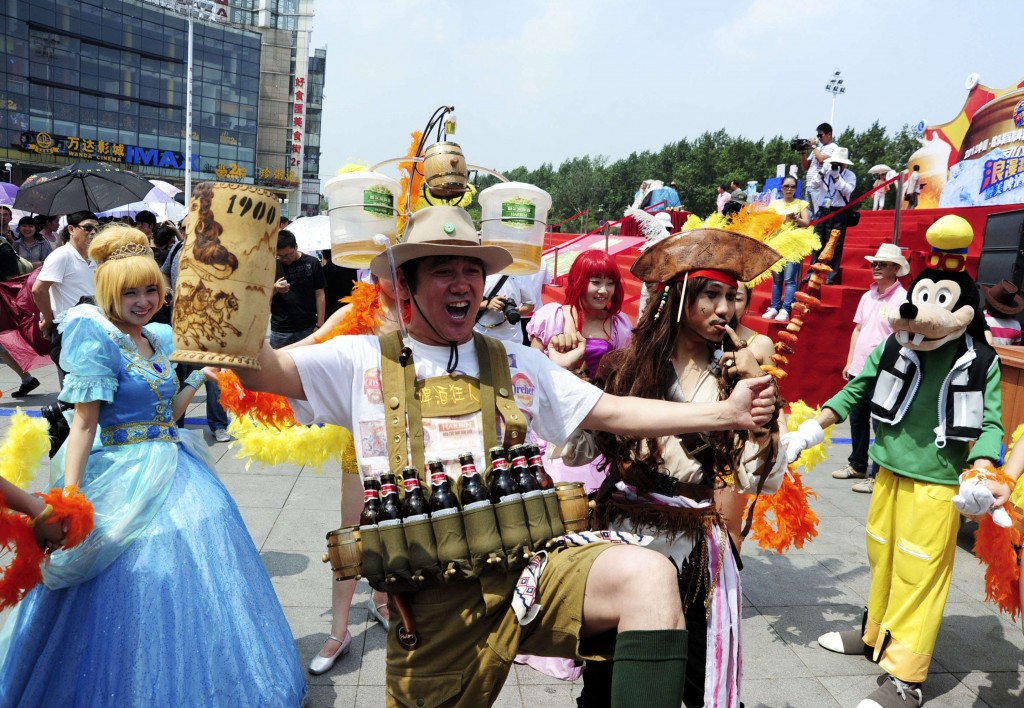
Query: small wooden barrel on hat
[[444, 170], [344, 553], [573, 506], [225, 276]]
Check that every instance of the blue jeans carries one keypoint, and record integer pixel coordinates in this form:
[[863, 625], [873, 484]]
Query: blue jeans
[[283, 339], [216, 416], [790, 275]]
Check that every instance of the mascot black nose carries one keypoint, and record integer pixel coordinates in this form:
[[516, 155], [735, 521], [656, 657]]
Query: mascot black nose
[[908, 311]]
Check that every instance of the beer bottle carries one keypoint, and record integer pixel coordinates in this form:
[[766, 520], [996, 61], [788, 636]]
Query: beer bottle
[[537, 467], [525, 481], [371, 501], [442, 500], [414, 507], [389, 509], [474, 491], [503, 487]]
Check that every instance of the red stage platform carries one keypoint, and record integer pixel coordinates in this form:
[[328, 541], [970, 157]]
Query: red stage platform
[[815, 370]]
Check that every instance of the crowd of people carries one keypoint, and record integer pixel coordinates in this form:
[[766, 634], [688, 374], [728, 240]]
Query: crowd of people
[[669, 423]]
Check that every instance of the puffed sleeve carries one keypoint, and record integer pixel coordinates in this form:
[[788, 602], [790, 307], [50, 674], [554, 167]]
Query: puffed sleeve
[[546, 323], [92, 361], [164, 335]]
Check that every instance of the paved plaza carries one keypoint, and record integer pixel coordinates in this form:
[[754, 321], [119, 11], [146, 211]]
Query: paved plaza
[[789, 600]]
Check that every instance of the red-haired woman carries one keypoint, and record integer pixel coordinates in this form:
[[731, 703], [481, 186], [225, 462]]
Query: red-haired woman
[[592, 307]]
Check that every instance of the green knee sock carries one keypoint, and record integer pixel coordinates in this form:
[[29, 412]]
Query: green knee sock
[[649, 669]]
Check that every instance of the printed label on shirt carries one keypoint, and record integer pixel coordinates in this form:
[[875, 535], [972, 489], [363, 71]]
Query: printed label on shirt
[[523, 389], [373, 439], [373, 389]]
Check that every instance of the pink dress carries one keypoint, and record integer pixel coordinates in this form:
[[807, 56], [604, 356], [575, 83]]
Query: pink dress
[[545, 324]]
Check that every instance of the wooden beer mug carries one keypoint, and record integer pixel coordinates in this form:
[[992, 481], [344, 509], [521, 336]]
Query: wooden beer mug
[[226, 275], [573, 506], [344, 553]]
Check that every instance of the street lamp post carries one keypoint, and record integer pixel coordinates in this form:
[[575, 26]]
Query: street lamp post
[[836, 88]]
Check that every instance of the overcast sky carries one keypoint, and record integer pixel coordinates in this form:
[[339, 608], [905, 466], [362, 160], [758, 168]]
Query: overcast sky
[[537, 81]]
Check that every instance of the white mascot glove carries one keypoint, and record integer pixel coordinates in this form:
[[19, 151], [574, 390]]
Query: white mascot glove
[[975, 499], [807, 435], [776, 474]]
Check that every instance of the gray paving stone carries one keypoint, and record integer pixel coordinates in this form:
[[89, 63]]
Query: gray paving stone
[[766, 654], [786, 693], [1000, 689], [771, 580], [316, 492], [300, 579], [302, 530], [261, 491]]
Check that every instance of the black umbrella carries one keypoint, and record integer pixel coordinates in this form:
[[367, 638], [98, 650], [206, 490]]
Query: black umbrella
[[92, 186]]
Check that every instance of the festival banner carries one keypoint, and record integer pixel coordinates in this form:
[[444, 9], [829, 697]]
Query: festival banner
[[976, 159]]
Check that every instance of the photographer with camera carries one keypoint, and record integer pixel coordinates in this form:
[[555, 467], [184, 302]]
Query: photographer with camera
[[838, 184], [821, 148], [507, 299]]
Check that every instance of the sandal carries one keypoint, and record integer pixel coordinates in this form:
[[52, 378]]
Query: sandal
[[321, 664], [375, 612]]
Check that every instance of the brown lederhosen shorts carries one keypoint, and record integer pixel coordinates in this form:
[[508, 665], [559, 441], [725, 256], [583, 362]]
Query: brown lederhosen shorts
[[469, 634]]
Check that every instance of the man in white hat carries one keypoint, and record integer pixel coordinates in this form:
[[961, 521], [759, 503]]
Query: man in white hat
[[837, 185], [884, 296], [436, 393]]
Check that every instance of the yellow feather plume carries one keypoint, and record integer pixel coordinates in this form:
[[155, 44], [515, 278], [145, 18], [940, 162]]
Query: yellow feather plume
[[812, 456], [27, 440], [1017, 497], [353, 167], [307, 446]]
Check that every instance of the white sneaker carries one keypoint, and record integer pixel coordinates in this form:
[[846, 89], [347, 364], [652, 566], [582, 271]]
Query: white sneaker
[[221, 435], [770, 313], [783, 316]]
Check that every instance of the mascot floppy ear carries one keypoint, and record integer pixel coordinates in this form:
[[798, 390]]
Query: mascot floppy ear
[[943, 302]]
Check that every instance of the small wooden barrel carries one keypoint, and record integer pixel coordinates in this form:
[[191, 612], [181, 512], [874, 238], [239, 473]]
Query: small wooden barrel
[[444, 170], [344, 553], [226, 276], [573, 506]]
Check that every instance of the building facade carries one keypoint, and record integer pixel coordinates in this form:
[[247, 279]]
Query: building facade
[[106, 80]]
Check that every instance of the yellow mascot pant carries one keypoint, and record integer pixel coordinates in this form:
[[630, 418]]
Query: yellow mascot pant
[[911, 540]]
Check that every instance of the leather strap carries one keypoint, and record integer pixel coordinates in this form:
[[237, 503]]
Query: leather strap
[[403, 418]]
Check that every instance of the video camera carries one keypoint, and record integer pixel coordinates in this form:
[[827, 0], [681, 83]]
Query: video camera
[[800, 144]]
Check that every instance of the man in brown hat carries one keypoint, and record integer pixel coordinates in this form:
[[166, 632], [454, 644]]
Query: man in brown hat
[[434, 393], [1003, 302]]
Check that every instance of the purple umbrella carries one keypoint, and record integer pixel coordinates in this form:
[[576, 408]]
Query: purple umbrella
[[8, 192]]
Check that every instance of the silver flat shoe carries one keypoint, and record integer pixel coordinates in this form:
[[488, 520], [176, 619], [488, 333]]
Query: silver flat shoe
[[321, 664], [375, 613]]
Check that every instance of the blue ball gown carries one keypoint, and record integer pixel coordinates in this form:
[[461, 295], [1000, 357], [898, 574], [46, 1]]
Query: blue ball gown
[[167, 602]]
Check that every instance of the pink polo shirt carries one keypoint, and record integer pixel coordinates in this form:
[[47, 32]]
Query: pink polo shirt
[[873, 317]]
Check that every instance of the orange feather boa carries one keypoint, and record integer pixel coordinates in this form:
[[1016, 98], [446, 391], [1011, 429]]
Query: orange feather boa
[[25, 570], [793, 522], [998, 550]]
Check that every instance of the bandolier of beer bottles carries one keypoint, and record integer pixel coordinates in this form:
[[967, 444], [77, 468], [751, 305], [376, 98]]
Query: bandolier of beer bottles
[[495, 524]]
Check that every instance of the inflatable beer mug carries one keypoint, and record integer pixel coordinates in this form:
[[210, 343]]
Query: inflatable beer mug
[[226, 275], [513, 216], [360, 206]]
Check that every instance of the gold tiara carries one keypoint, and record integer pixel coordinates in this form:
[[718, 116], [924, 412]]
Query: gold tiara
[[130, 249]]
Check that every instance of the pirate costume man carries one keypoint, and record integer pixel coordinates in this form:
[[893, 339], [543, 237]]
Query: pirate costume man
[[442, 391]]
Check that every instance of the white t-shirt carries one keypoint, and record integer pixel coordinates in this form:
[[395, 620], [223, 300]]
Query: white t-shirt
[[494, 324], [554, 401], [815, 179], [72, 277]]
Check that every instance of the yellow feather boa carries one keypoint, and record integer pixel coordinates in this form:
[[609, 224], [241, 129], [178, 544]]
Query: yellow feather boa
[[27, 440]]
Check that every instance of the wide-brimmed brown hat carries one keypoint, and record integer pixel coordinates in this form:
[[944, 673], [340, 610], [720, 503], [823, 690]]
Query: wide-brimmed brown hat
[[442, 231], [1004, 297], [740, 256]]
